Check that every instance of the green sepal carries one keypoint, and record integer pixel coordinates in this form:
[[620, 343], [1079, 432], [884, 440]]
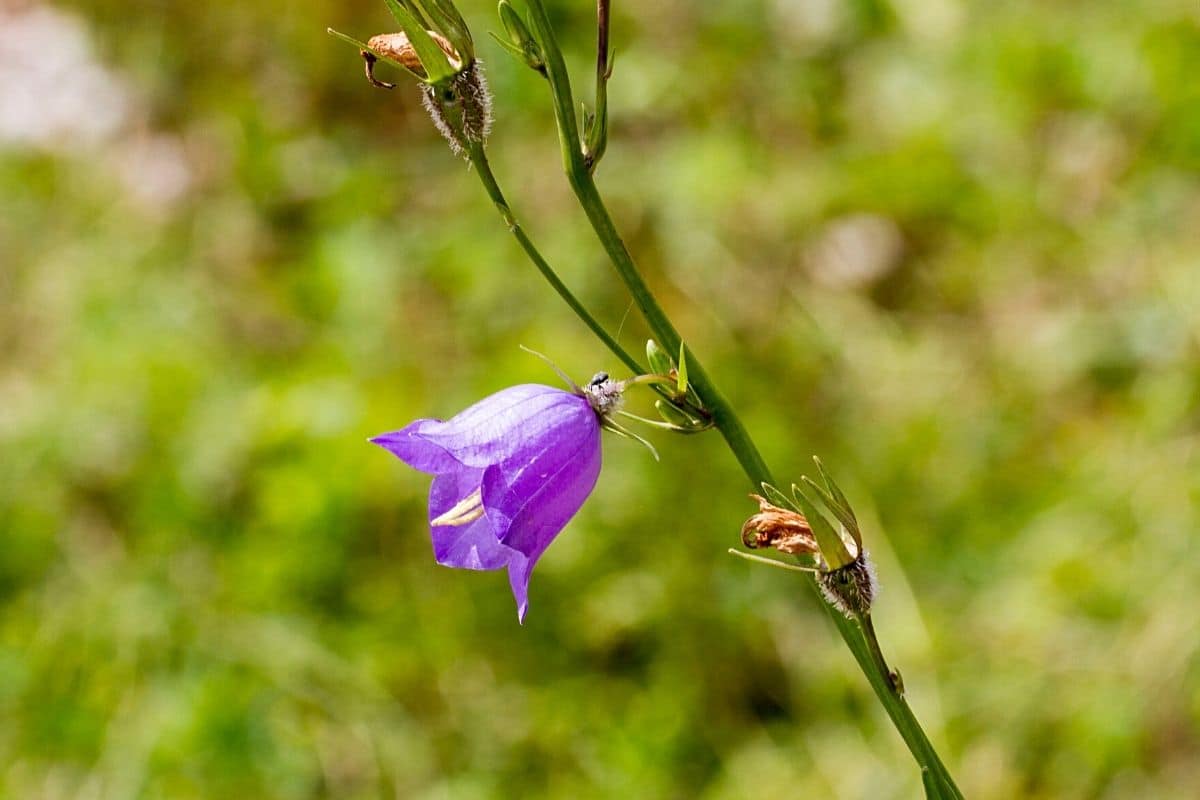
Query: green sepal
[[608, 424], [436, 63], [777, 497], [837, 494], [511, 48], [673, 415], [833, 549], [837, 502], [380, 56], [845, 519], [660, 362], [418, 14], [681, 380], [524, 46], [450, 24]]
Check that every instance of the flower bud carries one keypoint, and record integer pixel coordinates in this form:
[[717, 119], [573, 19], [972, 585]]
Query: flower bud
[[523, 44]]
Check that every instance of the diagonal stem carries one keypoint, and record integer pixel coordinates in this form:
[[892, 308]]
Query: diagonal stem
[[484, 170], [859, 638]]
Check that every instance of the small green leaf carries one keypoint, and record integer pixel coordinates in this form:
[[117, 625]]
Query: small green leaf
[[681, 381], [833, 549], [660, 362]]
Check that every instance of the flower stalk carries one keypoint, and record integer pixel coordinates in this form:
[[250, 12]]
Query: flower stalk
[[858, 633]]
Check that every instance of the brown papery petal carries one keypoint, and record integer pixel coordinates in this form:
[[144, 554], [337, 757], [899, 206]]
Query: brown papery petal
[[785, 530], [396, 46]]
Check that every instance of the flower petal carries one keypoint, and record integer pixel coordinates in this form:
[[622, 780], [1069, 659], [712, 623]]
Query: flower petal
[[519, 571], [408, 445], [500, 425], [470, 546], [530, 502]]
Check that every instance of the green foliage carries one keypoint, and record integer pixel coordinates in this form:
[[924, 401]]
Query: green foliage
[[949, 246]]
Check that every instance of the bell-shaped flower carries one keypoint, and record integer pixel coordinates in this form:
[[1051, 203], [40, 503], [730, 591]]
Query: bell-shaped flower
[[510, 472]]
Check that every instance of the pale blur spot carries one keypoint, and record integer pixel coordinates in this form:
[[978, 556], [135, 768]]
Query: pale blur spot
[[1084, 157], [808, 22], [855, 251], [930, 20], [154, 170], [54, 95]]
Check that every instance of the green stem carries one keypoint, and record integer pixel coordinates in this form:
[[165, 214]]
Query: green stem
[[862, 641], [484, 170], [580, 178], [890, 692]]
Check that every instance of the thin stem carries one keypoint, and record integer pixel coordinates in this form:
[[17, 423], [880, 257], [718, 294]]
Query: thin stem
[[603, 12], [484, 170], [891, 695], [598, 136], [862, 641], [580, 178]]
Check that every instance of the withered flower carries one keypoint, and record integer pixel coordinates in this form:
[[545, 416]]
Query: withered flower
[[785, 530], [842, 568], [397, 47]]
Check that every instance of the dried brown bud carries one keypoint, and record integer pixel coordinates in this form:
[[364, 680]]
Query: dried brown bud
[[785, 530], [397, 47]]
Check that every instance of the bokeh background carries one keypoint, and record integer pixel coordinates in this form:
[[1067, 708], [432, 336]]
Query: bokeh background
[[952, 246]]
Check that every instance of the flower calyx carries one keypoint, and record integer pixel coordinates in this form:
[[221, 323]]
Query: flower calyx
[[796, 526], [679, 406], [434, 46]]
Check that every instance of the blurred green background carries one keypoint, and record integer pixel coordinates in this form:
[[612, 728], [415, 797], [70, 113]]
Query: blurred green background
[[952, 246]]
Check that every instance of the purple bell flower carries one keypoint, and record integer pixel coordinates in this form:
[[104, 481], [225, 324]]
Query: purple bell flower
[[510, 472]]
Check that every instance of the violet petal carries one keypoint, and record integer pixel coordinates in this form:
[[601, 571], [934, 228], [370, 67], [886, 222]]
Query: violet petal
[[470, 546]]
